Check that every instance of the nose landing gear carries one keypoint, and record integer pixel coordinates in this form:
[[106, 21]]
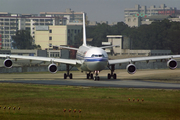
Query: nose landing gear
[[96, 77]]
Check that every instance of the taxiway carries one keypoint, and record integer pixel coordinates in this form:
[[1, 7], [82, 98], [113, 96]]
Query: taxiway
[[157, 79]]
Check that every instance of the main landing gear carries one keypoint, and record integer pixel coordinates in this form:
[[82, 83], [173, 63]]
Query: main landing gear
[[89, 75], [113, 75], [96, 77], [68, 74]]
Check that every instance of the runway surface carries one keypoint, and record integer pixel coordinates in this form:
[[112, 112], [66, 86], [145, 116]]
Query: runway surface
[[123, 80], [110, 83]]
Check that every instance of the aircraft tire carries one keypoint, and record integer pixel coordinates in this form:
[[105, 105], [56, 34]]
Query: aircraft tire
[[114, 76], [109, 76], [65, 76], [94, 78], [70, 76], [88, 76], [91, 76]]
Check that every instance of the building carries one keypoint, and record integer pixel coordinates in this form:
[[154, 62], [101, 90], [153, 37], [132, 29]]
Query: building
[[10, 23], [133, 21], [72, 17], [124, 47], [46, 36], [134, 16], [148, 20], [149, 11], [33, 20]]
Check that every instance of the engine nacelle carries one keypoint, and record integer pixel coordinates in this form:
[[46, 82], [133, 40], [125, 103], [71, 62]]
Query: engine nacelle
[[8, 63], [131, 68], [172, 64], [52, 68]]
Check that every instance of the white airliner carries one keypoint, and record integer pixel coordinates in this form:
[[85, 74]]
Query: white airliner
[[92, 60]]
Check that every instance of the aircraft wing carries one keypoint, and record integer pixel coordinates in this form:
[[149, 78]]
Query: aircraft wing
[[49, 59], [130, 60]]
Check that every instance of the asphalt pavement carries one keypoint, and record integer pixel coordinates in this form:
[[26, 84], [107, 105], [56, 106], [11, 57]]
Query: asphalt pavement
[[142, 79]]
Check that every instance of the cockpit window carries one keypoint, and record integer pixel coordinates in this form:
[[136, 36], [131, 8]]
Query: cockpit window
[[100, 55]]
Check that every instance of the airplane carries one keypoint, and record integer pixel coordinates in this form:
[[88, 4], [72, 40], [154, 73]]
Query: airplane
[[91, 60]]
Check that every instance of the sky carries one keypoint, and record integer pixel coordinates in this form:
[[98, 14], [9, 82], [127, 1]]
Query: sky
[[97, 10]]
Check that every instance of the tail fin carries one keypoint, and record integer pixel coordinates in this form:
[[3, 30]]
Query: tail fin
[[84, 30]]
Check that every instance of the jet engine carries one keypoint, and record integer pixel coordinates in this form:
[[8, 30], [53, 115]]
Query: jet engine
[[52, 68], [131, 68], [8, 63], [172, 64]]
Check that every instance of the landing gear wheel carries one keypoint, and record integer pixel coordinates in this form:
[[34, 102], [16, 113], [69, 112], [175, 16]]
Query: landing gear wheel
[[96, 78], [65, 76], [88, 76], [114, 76], [91, 76], [70, 76], [109, 76], [112, 68]]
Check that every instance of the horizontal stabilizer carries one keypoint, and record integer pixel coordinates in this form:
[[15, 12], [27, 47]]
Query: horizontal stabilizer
[[63, 47], [110, 46]]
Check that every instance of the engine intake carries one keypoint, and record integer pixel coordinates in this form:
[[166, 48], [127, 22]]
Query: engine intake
[[172, 64], [52, 68], [8, 63], [131, 68]]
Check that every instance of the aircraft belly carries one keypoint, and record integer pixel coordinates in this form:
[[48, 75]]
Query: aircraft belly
[[95, 65]]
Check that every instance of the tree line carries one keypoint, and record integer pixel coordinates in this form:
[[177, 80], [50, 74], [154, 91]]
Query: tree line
[[158, 35]]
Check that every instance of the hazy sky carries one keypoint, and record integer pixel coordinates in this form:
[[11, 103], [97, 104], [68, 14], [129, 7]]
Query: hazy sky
[[97, 10]]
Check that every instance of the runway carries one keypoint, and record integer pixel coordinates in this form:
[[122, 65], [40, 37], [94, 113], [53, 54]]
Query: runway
[[122, 81], [110, 83]]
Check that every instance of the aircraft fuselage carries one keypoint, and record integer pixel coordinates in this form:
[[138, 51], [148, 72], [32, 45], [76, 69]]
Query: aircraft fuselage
[[95, 59]]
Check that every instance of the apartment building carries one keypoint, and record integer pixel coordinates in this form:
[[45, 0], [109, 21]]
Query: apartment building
[[46, 36], [72, 17], [33, 20], [149, 11], [10, 23], [134, 16]]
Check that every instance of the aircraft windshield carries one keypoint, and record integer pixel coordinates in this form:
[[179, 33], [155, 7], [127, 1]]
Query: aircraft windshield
[[100, 55]]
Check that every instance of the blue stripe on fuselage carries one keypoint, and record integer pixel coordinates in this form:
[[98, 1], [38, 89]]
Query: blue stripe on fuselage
[[90, 59]]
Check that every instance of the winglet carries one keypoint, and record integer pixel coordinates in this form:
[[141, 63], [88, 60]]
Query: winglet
[[84, 30]]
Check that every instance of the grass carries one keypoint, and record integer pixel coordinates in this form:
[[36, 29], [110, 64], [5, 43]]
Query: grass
[[46, 102]]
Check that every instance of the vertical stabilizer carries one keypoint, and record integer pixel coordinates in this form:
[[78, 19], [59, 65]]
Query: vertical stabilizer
[[84, 30]]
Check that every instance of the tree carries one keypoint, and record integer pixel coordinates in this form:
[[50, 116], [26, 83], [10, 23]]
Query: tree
[[23, 40], [158, 35]]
